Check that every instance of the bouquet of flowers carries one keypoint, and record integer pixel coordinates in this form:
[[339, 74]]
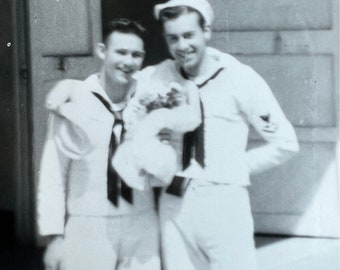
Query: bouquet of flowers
[[156, 106]]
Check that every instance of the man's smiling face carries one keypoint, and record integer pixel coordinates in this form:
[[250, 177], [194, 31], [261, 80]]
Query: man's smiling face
[[124, 55], [186, 40]]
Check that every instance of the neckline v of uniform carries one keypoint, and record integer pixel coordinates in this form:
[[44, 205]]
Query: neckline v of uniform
[[96, 87], [203, 80]]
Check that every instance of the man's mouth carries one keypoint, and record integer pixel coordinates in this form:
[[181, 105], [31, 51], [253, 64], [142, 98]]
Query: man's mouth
[[126, 71], [183, 57]]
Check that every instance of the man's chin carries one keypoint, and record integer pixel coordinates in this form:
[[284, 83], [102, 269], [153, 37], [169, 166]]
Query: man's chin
[[124, 80], [188, 66]]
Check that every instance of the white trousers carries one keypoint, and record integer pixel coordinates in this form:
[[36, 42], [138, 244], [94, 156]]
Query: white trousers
[[209, 228], [128, 242]]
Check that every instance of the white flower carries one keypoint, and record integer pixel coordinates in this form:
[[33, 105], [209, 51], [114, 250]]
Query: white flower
[[156, 106]]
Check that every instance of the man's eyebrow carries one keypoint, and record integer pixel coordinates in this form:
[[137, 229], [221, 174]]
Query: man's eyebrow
[[126, 49], [185, 33], [170, 35], [140, 52]]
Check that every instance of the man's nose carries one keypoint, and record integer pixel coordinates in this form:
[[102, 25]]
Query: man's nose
[[182, 44], [129, 60]]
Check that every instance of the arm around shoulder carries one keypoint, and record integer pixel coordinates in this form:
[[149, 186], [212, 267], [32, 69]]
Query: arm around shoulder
[[62, 92]]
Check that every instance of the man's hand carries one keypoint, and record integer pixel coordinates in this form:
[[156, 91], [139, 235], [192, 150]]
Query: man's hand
[[53, 253], [62, 92], [165, 135]]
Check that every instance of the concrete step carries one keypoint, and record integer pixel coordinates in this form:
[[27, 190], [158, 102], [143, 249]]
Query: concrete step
[[297, 253]]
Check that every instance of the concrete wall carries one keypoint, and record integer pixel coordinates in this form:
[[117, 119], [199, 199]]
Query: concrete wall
[[294, 46]]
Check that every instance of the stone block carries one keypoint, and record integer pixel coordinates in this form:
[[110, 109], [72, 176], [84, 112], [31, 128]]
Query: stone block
[[291, 189], [303, 85], [271, 15], [69, 21], [300, 197], [309, 42], [244, 42]]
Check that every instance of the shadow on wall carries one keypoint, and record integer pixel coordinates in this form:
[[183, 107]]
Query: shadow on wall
[[300, 197]]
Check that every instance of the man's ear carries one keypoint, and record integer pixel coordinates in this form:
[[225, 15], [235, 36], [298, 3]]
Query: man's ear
[[100, 50], [207, 32]]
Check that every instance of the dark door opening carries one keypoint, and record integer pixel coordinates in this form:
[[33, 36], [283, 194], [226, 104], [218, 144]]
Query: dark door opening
[[7, 127], [141, 11]]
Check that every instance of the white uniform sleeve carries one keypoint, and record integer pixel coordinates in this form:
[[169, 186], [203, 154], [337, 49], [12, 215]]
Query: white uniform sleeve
[[63, 91], [51, 207], [265, 115]]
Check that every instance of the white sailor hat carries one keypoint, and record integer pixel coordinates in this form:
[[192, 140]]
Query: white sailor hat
[[201, 6]]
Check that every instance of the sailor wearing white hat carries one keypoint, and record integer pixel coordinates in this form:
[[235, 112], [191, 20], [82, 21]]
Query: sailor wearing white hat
[[201, 6], [211, 226]]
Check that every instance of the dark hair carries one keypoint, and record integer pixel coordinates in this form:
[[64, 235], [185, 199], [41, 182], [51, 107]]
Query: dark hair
[[123, 25], [171, 13]]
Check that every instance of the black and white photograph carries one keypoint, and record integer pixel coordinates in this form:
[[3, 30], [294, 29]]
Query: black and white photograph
[[169, 135]]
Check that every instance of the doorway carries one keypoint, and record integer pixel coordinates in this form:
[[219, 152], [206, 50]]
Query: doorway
[[7, 126], [142, 12], [15, 154]]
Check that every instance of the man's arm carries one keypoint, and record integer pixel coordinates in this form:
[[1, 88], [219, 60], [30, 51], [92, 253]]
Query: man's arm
[[267, 118], [51, 197], [67, 139], [51, 186]]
